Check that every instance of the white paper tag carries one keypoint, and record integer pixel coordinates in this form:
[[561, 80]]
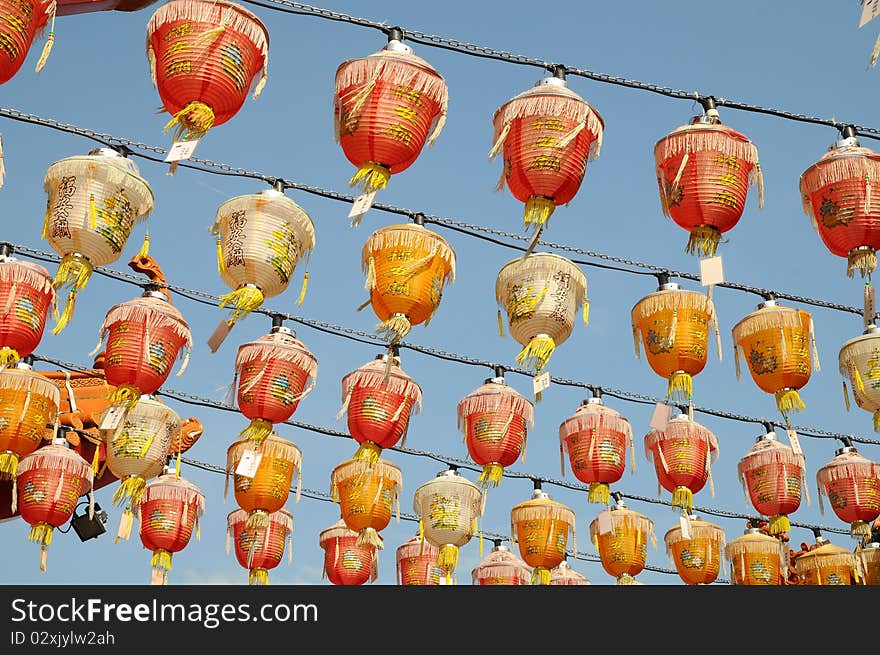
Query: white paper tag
[[248, 464], [181, 150], [685, 523], [219, 335], [870, 11], [794, 442], [870, 301], [112, 418], [541, 382], [660, 417], [711, 271], [604, 524], [362, 204]]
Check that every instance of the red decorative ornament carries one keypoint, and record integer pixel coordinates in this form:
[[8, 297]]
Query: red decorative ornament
[[682, 453], [501, 567], [260, 548], [495, 419], [704, 171], [346, 562], [23, 20], [547, 135], [26, 294], [417, 563], [204, 56], [50, 482], [379, 398], [852, 484], [274, 373], [596, 438]]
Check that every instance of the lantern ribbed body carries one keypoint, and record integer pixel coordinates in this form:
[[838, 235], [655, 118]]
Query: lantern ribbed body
[[50, 482], [565, 576], [23, 19], [542, 527], [28, 403], [168, 511], [501, 567], [756, 559], [269, 489], [208, 53], [851, 483], [623, 550], [697, 558], [139, 446], [417, 563], [772, 475], [841, 196], [859, 361], [259, 549], [596, 438], [26, 294], [682, 454], [386, 106], [345, 561], [406, 267], [868, 560], [366, 493], [707, 191], [541, 295], [827, 565]]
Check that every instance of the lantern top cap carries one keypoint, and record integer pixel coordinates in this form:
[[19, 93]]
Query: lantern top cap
[[105, 152], [552, 81], [396, 45], [153, 292]]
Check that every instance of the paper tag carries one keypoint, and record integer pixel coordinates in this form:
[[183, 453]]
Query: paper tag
[[604, 524], [660, 417], [112, 418], [181, 150], [870, 301], [248, 464], [794, 442], [362, 204], [711, 271], [870, 11], [685, 523], [219, 335], [541, 382]]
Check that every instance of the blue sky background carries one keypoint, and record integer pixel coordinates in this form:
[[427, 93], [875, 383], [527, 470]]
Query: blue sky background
[[812, 60]]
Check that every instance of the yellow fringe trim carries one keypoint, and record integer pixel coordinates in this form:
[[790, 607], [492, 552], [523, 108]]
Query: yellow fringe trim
[[599, 493], [370, 537], [370, 177], [862, 260], [8, 466], [258, 577], [73, 271], [368, 452], [491, 475], [703, 240], [500, 324], [537, 352], [129, 491], [192, 122], [788, 400], [125, 394], [681, 386], [538, 210], [541, 575], [8, 357], [684, 498], [779, 524], [245, 299], [447, 558], [859, 529], [394, 329], [257, 430], [41, 533], [161, 560]]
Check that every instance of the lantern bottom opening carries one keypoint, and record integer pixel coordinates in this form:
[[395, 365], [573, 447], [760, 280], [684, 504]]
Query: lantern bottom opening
[[538, 210], [370, 177], [8, 357], [862, 259], [599, 492], [703, 241]]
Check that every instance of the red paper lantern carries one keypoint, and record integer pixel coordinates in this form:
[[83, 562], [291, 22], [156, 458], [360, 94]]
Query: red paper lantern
[[204, 56], [417, 563], [168, 512], [23, 19], [379, 398], [682, 454], [50, 482], [841, 195], [259, 549], [704, 171], [274, 373], [495, 419], [386, 106], [564, 575], [501, 567], [547, 134], [595, 438], [26, 293], [346, 562], [852, 484]]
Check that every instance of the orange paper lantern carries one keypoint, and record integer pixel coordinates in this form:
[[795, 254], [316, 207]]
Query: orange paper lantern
[[346, 562], [542, 527], [417, 562], [697, 554], [757, 559], [366, 493], [621, 536], [826, 564], [501, 567], [260, 548]]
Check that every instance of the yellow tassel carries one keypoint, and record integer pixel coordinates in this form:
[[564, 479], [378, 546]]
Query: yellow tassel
[[145, 246], [586, 314], [394, 329], [73, 271], [50, 39], [41, 533], [46, 224], [302, 291], [8, 357], [192, 122], [129, 491], [846, 395], [760, 175], [96, 459], [481, 542], [599, 493], [368, 452], [370, 177], [877, 421], [788, 400], [125, 394], [500, 324], [703, 240], [684, 498], [541, 575], [258, 577], [221, 265], [421, 537], [257, 430], [370, 537], [161, 560], [681, 386], [538, 210], [491, 475], [245, 299], [447, 558], [779, 524], [93, 212], [860, 383], [537, 352], [177, 475]]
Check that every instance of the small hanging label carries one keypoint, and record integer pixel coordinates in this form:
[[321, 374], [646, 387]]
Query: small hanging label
[[660, 417], [541, 382], [181, 150], [794, 442], [870, 301], [112, 418], [870, 11], [219, 335], [685, 523], [361, 205], [248, 464], [711, 271], [604, 524]]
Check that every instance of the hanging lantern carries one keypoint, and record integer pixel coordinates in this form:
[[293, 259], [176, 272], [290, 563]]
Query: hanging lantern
[[772, 476], [93, 204], [775, 342], [260, 548], [541, 294], [144, 338], [547, 135], [826, 564], [387, 105], [564, 575], [26, 293], [682, 454], [868, 562], [137, 450], [379, 398], [406, 267], [449, 507], [596, 438], [495, 419], [837, 192], [204, 57], [366, 493], [50, 482], [168, 511], [621, 536], [697, 554], [859, 362], [757, 559], [28, 403], [674, 324], [852, 484], [417, 563], [501, 567], [704, 172], [262, 475], [346, 562], [274, 373], [542, 527], [260, 239], [23, 21]]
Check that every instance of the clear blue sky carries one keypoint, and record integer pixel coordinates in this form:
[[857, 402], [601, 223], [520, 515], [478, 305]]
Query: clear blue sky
[[812, 60]]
